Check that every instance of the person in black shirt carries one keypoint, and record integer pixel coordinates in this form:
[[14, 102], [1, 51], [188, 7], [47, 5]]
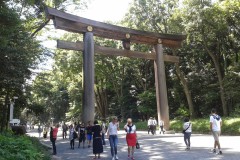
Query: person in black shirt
[[97, 140], [81, 134], [89, 134]]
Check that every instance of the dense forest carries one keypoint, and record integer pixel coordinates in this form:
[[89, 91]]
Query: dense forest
[[207, 76]]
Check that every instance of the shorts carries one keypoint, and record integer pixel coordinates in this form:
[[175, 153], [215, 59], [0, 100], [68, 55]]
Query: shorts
[[82, 138], [89, 137], [216, 135]]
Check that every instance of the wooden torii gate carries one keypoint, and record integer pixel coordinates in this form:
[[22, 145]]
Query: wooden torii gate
[[90, 28]]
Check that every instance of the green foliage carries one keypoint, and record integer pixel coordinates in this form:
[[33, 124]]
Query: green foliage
[[21, 148]]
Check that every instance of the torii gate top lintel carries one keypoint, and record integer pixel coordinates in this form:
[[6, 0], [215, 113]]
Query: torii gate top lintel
[[78, 24]]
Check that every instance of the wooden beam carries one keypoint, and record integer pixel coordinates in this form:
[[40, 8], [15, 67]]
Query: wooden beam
[[78, 46], [78, 24]]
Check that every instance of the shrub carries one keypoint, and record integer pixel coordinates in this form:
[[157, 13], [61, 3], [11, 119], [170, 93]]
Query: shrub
[[19, 130], [21, 148]]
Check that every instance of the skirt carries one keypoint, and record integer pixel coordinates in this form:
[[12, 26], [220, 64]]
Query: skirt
[[131, 139], [97, 145]]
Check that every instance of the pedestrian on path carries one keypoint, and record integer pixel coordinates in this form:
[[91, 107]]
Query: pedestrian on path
[[104, 129], [187, 131], [154, 125], [97, 140], [64, 130], [39, 131], [112, 134], [161, 124], [89, 134], [53, 138], [81, 135], [131, 137], [215, 127], [150, 125], [71, 136]]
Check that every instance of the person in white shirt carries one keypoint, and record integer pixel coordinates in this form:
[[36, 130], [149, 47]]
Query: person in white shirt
[[154, 125], [150, 125], [215, 127], [112, 134], [187, 131], [161, 124]]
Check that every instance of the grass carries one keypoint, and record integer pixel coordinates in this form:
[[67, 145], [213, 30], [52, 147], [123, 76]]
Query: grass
[[231, 126]]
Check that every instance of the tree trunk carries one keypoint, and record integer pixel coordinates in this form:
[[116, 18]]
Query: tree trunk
[[220, 80], [186, 91]]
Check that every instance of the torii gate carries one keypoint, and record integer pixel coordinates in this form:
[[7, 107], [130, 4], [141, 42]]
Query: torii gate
[[89, 28]]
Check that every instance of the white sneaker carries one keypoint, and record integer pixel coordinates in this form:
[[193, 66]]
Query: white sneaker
[[116, 157], [113, 158]]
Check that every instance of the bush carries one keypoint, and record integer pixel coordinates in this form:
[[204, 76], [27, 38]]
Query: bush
[[19, 130], [21, 148]]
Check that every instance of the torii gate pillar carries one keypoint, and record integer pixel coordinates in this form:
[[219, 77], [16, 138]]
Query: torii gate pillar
[[88, 102], [161, 87]]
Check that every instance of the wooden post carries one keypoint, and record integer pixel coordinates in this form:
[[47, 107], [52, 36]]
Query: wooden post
[[161, 85], [88, 79], [157, 91]]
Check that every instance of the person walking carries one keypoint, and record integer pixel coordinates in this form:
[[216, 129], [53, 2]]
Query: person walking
[[215, 128], [161, 124], [104, 128], [97, 140], [131, 137], [45, 132], [150, 125], [81, 135], [112, 134], [187, 131], [71, 136], [64, 130], [39, 131], [89, 134], [154, 125], [53, 138]]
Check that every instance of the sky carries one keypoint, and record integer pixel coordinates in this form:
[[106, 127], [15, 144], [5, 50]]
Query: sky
[[99, 10], [106, 10]]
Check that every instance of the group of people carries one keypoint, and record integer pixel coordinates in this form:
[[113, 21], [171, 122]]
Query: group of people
[[152, 126], [215, 128], [97, 133], [95, 136]]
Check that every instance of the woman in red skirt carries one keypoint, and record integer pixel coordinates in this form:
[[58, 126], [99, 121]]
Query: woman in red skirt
[[131, 137]]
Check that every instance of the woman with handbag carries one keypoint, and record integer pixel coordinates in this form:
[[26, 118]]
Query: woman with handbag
[[131, 137], [187, 131]]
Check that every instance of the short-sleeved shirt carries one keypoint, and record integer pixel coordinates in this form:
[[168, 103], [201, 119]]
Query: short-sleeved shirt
[[113, 128], [216, 122], [96, 130], [188, 126], [89, 129], [55, 131], [130, 129], [81, 130]]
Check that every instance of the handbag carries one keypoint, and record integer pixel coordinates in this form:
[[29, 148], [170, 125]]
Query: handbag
[[137, 145], [186, 128], [75, 135]]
